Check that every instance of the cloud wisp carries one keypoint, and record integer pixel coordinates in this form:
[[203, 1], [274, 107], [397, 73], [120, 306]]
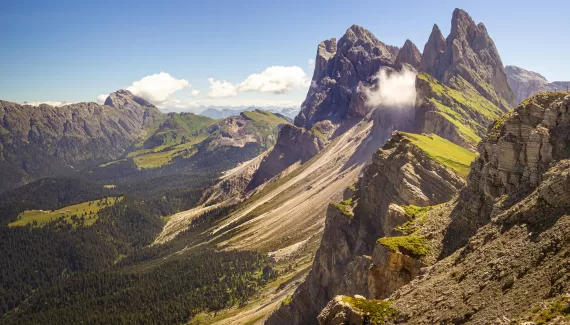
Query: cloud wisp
[[395, 90], [221, 88]]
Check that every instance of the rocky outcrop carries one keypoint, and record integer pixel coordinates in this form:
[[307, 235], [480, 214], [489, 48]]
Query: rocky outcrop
[[410, 55], [47, 141], [339, 70], [344, 310], [293, 145], [513, 158], [432, 51], [526, 83], [517, 207], [471, 54], [400, 174], [504, 258]]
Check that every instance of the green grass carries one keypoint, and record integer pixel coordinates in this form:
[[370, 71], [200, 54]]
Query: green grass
[[444, 152], [376, 311], [345, 207], [464, 106], [287, 300], [411, 245], [88, 209], [265, 117], [560, 308], [416, 216]]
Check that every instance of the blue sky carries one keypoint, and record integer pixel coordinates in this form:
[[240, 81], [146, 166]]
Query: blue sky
[[77, 50]]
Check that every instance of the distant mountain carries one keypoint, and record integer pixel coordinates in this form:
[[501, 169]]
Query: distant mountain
[[123, 137], [46, 141], [525, 83], [217, 112]]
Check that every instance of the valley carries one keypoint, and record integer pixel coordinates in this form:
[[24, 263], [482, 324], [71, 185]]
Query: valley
[[412, 187]]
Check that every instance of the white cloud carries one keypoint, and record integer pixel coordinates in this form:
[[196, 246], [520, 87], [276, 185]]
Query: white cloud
[[221, 88], [397, 90], [195, 92], [102, 98], [311, 63], [276, 80], [158, 88], [50, 103]]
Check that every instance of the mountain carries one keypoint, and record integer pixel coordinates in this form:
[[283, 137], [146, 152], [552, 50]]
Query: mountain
[[223, 112], [458, 95], [426, 166], [46, 141], [188, 143], [125, 137], [446, 208], [469, 53], [494, 255], [216, 113], [409, 54], [528, 83]]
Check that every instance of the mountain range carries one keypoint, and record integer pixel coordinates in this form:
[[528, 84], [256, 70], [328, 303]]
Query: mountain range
[[444, 202]]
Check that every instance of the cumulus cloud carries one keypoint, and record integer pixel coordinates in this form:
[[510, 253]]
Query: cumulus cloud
[[276, 80], [397, 89], [158, 88], [195, 92], [221, 88], [102, 98]]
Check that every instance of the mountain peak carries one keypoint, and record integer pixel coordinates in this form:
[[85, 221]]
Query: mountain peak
[[433, 50], [122, 97], [468, 53], [409, 54]]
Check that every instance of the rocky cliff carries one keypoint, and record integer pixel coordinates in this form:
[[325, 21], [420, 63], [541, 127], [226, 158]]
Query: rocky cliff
[[503, 258], [340, 68], [335, 101], [463, 87], [526, 83], [469, 53], [46, 141], [405, 172], [410, 55]]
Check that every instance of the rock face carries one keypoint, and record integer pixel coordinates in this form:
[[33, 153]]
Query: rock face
[[409, 54], [513, 218], [526, 83], [293, 145], [46, 141], [513, 158], [400, 174], [471, 54], [432, 51], [339, 70]]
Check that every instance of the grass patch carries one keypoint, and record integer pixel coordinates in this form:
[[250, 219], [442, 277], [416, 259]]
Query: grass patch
[[416, 216], [444, 152], [264, 116], [287, 300], [86, 210], [376, 311], [345, 207], [411, 245], [559, 308]]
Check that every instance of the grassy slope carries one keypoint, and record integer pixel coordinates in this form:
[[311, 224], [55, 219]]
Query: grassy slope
[[89, 209], [444, 152], [463, 106]]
